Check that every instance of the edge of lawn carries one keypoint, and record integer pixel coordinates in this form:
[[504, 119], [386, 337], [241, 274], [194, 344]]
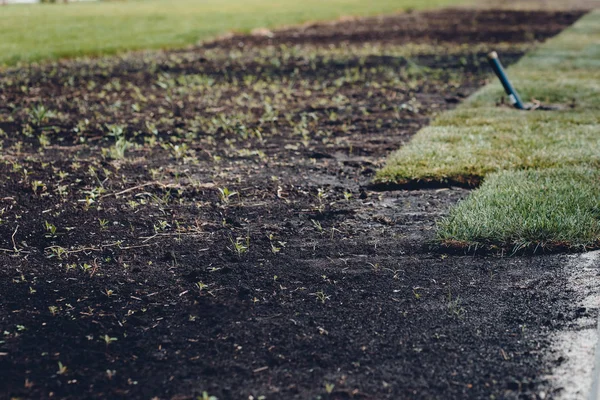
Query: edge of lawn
[[541, 185]]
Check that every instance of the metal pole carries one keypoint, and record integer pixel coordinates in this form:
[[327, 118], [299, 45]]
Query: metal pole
[[515, 100]]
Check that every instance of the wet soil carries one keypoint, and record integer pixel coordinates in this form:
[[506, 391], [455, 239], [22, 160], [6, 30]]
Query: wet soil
[[199, 221]]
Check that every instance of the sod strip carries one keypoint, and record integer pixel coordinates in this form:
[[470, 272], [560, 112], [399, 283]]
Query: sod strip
[[542, 182], [554, 209], [478, 138]]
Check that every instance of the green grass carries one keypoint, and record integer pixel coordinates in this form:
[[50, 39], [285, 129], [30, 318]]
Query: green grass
[[551, 209], [38, 32], [464, 146], [539, 168], [468, 143]]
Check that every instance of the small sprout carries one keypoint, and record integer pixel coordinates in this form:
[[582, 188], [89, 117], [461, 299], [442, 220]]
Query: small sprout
[[225, 194], [117, 151], [347, 196], [333, 231], [53, 310], [241, 245], [87, 202], [201, 286], [317, 226], [62, 369], [103, 224], [39, 114], [329, 388], [160, 226], [206, 396], [35, 185], [50, 229], [108, 340], [454, 306], [321, 196], [110, 373], [416, 294], [321, 296], [376, 267], [62, 190], [108, 292], [62, 175], [277, 246], [179, 150], [44, 140]]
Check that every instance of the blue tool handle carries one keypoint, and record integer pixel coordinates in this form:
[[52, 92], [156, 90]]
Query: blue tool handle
[[508, 87]]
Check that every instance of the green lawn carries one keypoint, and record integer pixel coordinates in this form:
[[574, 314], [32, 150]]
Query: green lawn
[[539, 167], [477, 138], [556, 208], [38, 32]]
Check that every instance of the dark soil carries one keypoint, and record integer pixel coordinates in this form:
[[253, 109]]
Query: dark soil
[[446, 26], [234, 248]]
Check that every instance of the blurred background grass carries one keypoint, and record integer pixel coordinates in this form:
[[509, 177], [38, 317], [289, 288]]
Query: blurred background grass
[[49, 31]]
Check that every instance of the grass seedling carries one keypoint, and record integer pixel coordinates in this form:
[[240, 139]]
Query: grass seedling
[[454, 306], [240, 245], [416, 293], [103, 224], [50, 230], [276, 246], [108, 340], [225, 195], [58, 252], [321, 296], [317, 226], [201, 286], [117, 151], [35, 185], [206, 396], [179, 150], [40, 114], [85, 267], [321, 196], [329, 388], [62, 369], [160, 226]]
